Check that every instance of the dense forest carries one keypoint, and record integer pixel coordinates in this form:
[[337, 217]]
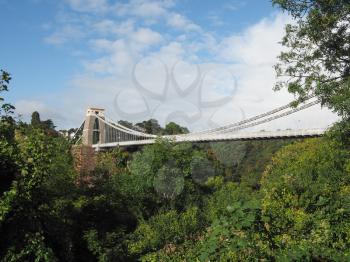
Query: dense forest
[[277, 200]]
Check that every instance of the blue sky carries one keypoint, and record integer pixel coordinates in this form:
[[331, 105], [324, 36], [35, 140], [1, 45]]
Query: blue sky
[[67, 55]]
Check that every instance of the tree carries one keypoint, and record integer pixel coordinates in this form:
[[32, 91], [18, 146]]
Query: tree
[[306, 204], [164, 228], [317, 60], [35, 121], [8, 145], [24, 209], [232, 233], [125, 123], [6, 109], [151, 126], [173, 129], [48, 124], [169, 181]]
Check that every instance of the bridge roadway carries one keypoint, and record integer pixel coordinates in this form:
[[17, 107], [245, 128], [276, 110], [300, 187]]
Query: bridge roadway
[[236, 136]]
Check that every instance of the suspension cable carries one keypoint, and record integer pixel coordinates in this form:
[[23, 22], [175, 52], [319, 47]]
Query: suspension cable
[[125, 129], [251, 119], [76, 132], [273, 117]]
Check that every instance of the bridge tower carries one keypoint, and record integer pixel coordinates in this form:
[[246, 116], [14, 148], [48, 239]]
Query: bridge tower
[[94, 128]]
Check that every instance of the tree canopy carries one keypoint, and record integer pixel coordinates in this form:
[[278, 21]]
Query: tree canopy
[[305, 205], [317, 59], [172, 128]]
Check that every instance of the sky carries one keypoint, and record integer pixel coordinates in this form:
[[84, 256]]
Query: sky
[[200, 63]]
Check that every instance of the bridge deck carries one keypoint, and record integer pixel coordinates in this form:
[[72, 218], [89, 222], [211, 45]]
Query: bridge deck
[[223, 137]]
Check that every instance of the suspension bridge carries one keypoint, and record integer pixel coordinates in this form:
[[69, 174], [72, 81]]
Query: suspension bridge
[[100, 132]]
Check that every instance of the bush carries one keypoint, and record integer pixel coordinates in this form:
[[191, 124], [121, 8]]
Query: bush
[[164, 228], [306, 203]]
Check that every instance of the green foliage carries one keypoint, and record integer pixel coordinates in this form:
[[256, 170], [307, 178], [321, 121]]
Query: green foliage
[[107, 249], [258, 156], [35, 120], [47, 125], [201, 169], [306, 201], [244, 161], [27, 209], [8, 166], [164, 229], [120, 215], [125, 123], [128, 206], [317, 60], [150, 127], [169, 181], [147, 164], [230, 236], [226, 195], [172, 128], [34, 249], [340, 132], [228, 157], [111, 162], [6, 109], [8, 146], [35, 172], [188, 202], [229, 153]]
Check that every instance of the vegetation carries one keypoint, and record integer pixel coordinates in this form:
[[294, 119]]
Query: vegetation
[[152, 126], [317, 60], [164, 197], [281, 200], [305, 205], [174, 202]]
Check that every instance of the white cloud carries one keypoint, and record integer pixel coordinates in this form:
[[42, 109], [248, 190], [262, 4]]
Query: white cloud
[[144, 8], [108, 26], [118, 59], [138, 39], [259, 44], [26, 107], [121, 54], [215, 20], [146, 37], [178, 21], [88, 5], [67, 33], [102, 44], [234, 5], [133, 45]]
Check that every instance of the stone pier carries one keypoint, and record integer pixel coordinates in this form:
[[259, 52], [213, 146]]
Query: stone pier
[[84, 158], [94, 128]]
